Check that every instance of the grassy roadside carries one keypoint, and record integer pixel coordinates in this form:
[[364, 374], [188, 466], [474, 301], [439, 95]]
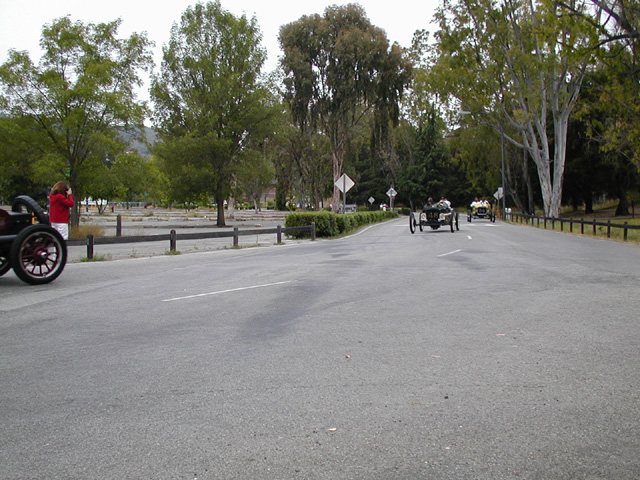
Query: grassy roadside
[[607, 228]]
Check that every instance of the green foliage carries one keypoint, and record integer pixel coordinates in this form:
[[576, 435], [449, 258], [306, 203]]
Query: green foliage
[[78, 98], [325, 223], [208, 101], [254, 176], [329, 224], [430, 170], [22, 165], [338, 67], [517, 66]]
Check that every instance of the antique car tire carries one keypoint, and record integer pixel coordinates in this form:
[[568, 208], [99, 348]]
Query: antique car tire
[[38, 254], [452, 221], [469, 216], [457, 221], [420, 224], [23, 203], [412, 223]]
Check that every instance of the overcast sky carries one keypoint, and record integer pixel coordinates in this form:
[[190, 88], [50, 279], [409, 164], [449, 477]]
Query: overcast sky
[[21, 21]]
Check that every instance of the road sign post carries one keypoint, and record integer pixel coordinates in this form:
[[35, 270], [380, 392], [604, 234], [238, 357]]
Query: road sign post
[[344, 184], [391, 193]]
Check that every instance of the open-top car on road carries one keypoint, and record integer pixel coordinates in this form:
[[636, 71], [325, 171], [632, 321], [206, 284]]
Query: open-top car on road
[[435, 216], [28, 244], [481, 209]]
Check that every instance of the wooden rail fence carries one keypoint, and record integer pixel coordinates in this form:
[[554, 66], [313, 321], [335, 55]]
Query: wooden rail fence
[[172, 237], [571, 222]]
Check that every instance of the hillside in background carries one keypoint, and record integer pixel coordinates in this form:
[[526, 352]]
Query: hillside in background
[[142, 146]]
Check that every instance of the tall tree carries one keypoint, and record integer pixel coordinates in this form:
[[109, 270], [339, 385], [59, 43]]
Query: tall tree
[[520, 64], [80, 96], [208, 100], [337, 68]]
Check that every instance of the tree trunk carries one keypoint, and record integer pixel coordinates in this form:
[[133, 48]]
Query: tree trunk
[[231, 205], [588, 201], [510, 187], [338, 158], [623, 206], [542, 161], [561, 123], [531, 207], [220, 219]]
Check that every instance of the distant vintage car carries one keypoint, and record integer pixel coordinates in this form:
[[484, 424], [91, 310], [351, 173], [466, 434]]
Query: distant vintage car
[[481, 209], [28, 244], [434, 216]]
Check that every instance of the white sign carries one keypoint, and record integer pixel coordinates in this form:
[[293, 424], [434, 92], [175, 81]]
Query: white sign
[[498, 195], [371, 200], [344, 183], [391, 193]]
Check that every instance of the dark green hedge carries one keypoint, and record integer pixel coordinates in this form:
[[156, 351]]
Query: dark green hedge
[[332, 224]]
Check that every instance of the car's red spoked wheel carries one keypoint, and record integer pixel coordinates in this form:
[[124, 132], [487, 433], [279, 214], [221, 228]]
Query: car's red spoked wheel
[[38, 254], [5, 266]]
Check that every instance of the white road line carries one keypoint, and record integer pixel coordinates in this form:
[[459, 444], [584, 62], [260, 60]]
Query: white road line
[[469, 237], [359, 231], [225, 291], [450, 253]]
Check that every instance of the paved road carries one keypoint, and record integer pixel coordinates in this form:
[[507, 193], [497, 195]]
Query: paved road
[[497, 352]]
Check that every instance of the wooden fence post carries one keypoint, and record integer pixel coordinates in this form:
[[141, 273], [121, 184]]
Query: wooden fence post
[[119, 225], [313, 231], [594, 226], [625, 230], [173, 240], [235, 236], [279, 234], [90, 246], [582, 226], [608, 228]]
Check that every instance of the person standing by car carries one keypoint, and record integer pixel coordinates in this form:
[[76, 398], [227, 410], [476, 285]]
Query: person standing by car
[[60, 202]]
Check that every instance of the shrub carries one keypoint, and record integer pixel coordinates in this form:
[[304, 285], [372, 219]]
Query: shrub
[[331, 224], [81, 231]]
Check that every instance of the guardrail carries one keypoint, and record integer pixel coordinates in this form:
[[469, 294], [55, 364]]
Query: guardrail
[[90, 241], [590, 224]]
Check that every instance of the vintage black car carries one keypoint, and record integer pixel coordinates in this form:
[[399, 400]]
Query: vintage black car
[[434, 216], [481, 209], [28, 244]]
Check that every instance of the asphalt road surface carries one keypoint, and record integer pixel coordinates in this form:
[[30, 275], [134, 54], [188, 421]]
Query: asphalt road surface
[[496, 352]]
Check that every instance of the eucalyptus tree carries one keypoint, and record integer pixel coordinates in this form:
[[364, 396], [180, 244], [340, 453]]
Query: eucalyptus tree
[[338, 67], [209, 102], [80, 96], [520, 65], [618, 88]]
